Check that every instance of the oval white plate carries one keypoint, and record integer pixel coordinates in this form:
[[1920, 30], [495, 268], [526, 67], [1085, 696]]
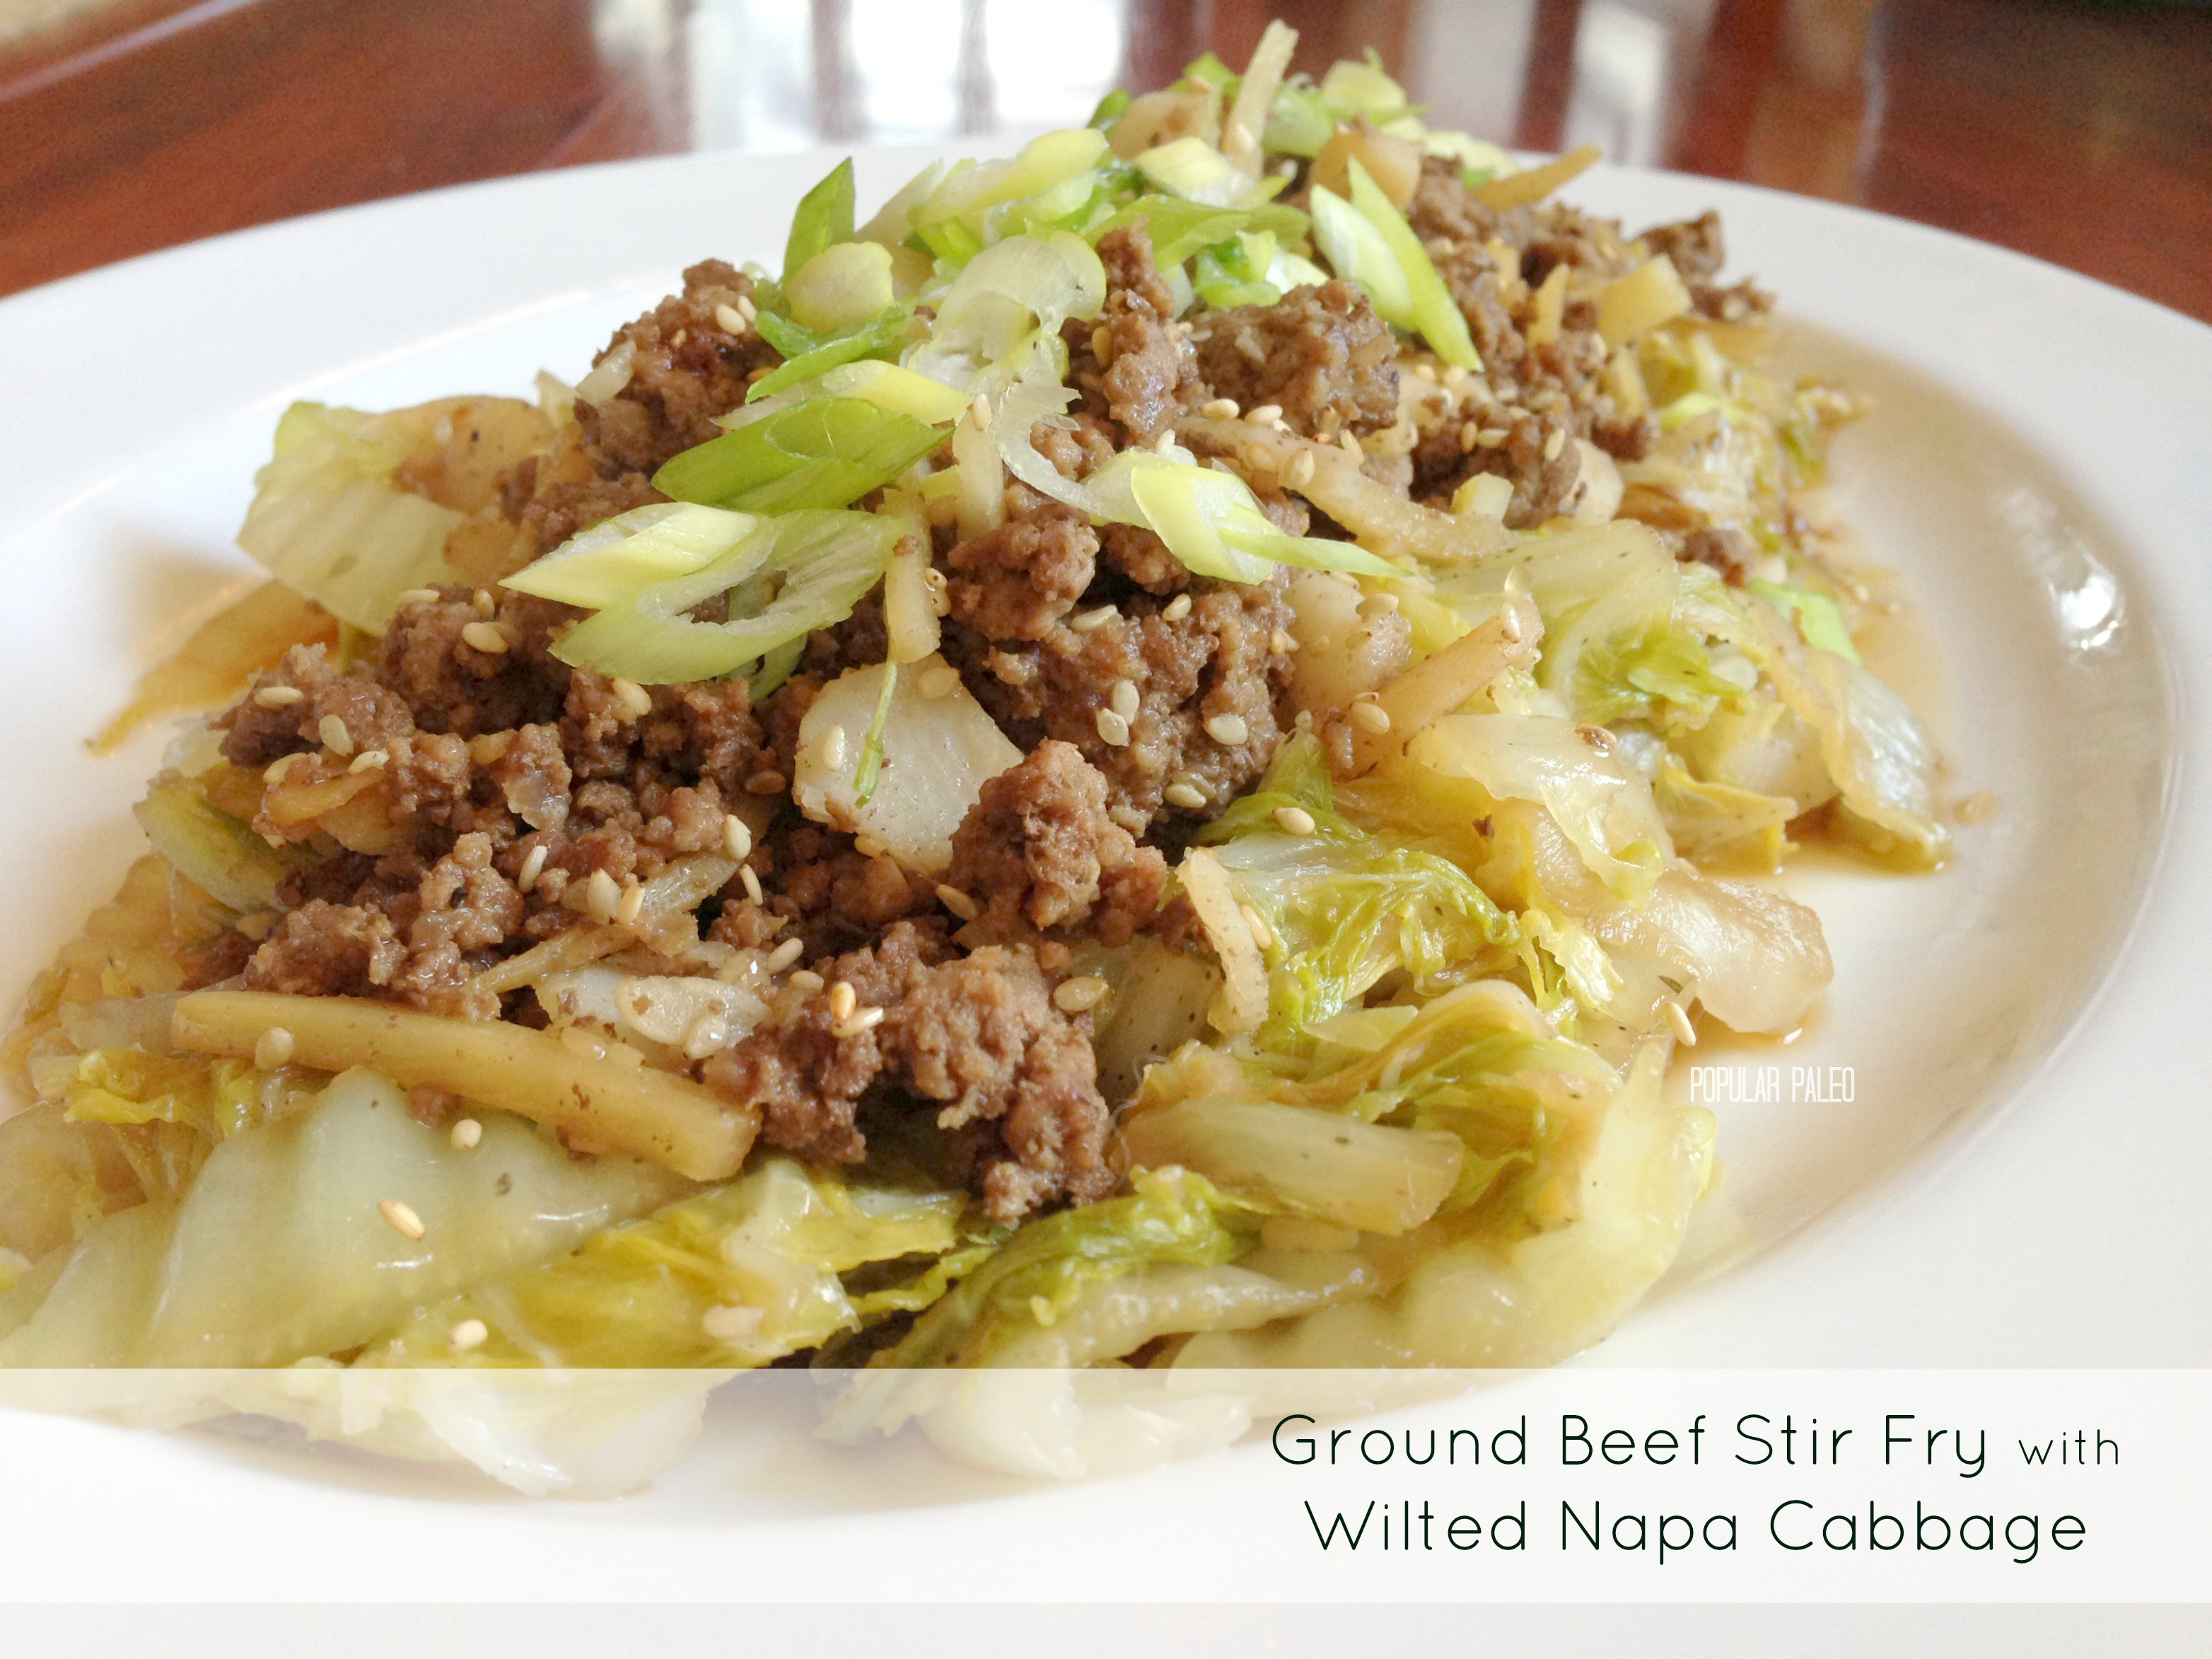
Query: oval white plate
[[2018, 1177]]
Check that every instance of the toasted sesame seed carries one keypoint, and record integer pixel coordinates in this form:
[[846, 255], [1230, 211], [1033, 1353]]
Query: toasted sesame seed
[[1679, 1017], [728, 1324], [1080, 994], [483, 602], [1280, 643], [737, 839], [466, 1135], [1260, 936], [1084, 621], [806, 980], [958, 902], [336, 739], [1102, 343], [634, 702], [1424, 372], [1188, 796], [279, 696], [1370, 717], [468, 1335], [1295, 820], [1124, 699], [831, 748], [273, 1049], [784, 955], [746, 308], [1228, 730], [1221, 408], [370, 759], [1378, 605], [939, 680], [863, 1019], [409, 596], [1166, 443], [979, 412], [1555, 443], [401, 1218], [729, 320], [766, 781], [1264, 415], [1176, 609], [843, 999], [1470, 435], [601, 896], [1300, 471], [484, 637], [533, 865], [1113, 730], [1491, 437], [750, 879], [631, 905], [1349, 442]]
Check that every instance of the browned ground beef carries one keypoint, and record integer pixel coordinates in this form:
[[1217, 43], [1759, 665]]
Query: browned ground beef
[[973, 1039], [1146, 370], [1321, 356], [1699, 252]]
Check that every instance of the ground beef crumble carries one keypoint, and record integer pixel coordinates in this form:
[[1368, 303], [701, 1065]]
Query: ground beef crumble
[[1320, 356]]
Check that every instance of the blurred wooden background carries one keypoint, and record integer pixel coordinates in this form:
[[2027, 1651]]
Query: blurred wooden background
[[2081, 132]]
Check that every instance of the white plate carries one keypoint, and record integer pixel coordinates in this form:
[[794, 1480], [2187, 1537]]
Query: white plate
[[2019, 1179]]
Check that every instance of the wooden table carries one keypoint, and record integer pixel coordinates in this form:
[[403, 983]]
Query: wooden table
[[2079, 132]]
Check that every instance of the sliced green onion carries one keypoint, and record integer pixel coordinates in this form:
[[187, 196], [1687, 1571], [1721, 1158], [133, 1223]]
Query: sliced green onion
[[1431, 312], [824, 219], [1108, 109], [776, 668], [807, 354], [970, 188], [1193, 169], [826, 452], [901, 390], [618, 555], [871, 751], [1356, 250], [1179, 229], [1012, 295], [797, 572]]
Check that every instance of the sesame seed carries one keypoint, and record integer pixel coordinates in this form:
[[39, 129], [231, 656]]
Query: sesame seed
[[533, 865], [1166, 443], [1295, 820], [831, 748], [1280, 643], [863, 1019], [1177, 608], [979, 413], [1350, 443], [1491, 437], [1124, 699], [1372, 718], [1102, 343], [958, 902], [1470, 435], [1113, 730], [273, 1049], [1679, 1017], [843, 999], [1300, 471], [729, 320], [631, 905], [784, 955], [751, 880], [370, 759], [1188, 796], [634, 702], [746, 308], [401, 1218], [578, 1041], [870, 846], [466, 1135], [1079, 995], [482, 637], [255, 924], [1221, 408], [737, 840], [601, 896], [939, 680], [727, 1324], [1424, 372], [1266, 415], [806, 980], [469, 1335], [1228, 730], [482, 601], [1260, 936], [415, 596], [766, 781], [1555, 443], [1084, 621], [279, 696], [336, 739]]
